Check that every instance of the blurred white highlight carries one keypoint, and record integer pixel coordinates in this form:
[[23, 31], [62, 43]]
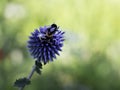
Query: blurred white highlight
[[14, 11]]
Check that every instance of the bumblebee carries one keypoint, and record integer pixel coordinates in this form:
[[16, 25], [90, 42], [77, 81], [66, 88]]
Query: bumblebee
[[49, 32]]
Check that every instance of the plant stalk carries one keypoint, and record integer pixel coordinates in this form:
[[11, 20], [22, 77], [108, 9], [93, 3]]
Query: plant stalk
[[29, 76]]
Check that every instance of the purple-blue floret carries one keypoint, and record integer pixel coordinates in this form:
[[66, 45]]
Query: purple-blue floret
[[45, 43]]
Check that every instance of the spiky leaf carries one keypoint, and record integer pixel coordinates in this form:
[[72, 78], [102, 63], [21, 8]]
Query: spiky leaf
[[38, 70], [22, 82], [38, 64]]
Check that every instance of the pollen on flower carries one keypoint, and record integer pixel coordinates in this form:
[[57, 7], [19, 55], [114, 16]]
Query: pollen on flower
[[45, 43]]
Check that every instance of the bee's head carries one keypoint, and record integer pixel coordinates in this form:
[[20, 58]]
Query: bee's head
[[53, 26]]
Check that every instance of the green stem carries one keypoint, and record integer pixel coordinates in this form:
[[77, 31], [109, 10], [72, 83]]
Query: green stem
[[30, 75]]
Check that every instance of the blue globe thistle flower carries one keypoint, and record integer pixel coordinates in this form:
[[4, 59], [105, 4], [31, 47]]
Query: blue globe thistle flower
[[45, 43]]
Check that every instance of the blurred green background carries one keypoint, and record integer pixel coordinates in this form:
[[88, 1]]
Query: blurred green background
[[90, 57]]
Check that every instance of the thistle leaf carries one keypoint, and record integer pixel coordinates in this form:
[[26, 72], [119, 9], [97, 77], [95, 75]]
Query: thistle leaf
[[22, 82], [38, 64], [37, 69]]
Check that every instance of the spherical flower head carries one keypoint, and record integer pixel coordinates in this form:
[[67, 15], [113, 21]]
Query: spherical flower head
[[45, 43]]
